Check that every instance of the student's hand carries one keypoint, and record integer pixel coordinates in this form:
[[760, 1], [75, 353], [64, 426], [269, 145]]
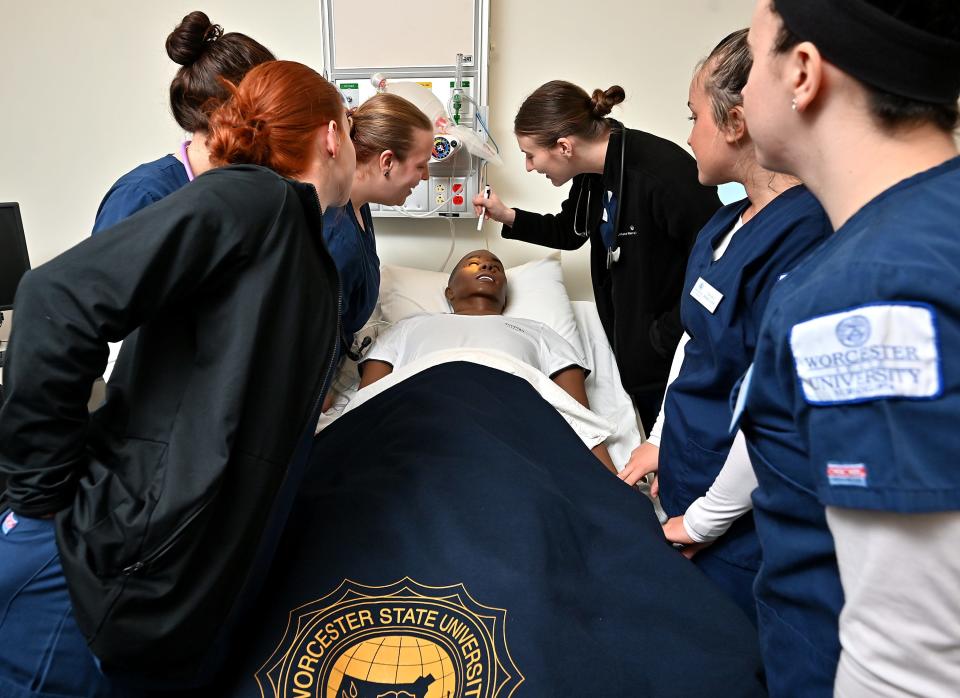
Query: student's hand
[[643, 460], [676, 532], [495, 208]]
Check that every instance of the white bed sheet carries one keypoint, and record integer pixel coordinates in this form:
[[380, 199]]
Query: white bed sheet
[[590, 427], [605, 391]]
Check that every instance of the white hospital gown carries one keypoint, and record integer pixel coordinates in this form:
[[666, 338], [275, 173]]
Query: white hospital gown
[[527, 340]]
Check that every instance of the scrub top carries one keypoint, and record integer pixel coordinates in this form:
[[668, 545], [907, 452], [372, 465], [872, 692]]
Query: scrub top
[[354, 249], [852, 403], [138, 189], [721, 309]]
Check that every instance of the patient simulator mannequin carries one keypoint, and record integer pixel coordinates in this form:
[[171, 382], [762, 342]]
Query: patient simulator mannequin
[[477, 292]]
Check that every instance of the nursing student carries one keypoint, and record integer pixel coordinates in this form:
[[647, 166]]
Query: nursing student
[[205, 55], [393, 140], [704, 475], [142, 528], [636, 198], [852, 407]]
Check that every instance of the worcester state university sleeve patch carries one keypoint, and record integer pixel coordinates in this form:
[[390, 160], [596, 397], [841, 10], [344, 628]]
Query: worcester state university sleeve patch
[[871, 352]]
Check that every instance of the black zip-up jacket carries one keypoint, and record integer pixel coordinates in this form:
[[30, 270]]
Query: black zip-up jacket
[[163, 495], [663, 210]]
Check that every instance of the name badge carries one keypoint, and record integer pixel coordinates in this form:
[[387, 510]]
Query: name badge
[[870, 352], [706, 295]]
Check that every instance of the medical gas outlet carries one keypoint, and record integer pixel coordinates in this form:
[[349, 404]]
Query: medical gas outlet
[[444, 146]]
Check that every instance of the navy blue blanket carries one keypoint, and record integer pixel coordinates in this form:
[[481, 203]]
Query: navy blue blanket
[[456, 538]]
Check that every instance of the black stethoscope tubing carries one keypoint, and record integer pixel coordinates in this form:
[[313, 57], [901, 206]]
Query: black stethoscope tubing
[[616, 218]]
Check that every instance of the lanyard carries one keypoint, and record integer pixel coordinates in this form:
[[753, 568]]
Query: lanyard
[[608, 228], [608, 231], [186, 160]]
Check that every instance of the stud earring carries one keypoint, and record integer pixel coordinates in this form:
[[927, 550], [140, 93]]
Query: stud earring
[[386, 173], [793, 104]]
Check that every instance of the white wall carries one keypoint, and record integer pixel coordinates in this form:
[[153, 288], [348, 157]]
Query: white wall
[[649, 47], [84, 97]]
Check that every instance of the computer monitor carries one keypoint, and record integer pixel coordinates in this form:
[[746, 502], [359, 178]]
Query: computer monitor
[[14, 260]]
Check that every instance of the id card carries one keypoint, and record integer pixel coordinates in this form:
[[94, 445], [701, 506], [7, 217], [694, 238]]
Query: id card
[[706, 295]]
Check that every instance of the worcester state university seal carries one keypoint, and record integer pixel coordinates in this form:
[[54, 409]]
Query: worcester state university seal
[[404, 640]]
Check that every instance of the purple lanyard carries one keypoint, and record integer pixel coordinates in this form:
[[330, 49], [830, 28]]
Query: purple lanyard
[[186, 160]]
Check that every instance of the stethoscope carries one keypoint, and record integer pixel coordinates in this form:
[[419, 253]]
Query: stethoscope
[[613, 250]]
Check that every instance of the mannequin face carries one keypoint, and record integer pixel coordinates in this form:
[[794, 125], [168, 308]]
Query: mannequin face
[[479, 274], [554, 162]]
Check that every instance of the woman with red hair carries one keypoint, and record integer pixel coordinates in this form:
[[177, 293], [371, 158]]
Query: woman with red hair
[[139, 530]]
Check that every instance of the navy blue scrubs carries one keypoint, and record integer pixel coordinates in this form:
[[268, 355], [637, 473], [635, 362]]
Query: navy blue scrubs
[[138, 189], [697, 437], [354, 249], [853, 403]]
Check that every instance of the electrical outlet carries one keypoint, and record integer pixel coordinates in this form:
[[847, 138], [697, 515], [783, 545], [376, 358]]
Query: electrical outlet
[[458, 195], [440, 188]]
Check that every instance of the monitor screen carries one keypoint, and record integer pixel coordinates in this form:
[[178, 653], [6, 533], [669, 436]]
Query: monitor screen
[[13, 253]]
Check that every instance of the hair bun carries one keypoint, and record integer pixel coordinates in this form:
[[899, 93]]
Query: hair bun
[[190, 39], [603, 101], [258, 127], [255, 135]]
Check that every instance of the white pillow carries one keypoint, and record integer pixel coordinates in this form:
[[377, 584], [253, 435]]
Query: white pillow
[[535, 291]]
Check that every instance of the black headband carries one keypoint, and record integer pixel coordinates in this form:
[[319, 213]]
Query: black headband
[[878, 49]]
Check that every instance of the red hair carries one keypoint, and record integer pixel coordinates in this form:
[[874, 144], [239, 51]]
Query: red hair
[[272, 118]]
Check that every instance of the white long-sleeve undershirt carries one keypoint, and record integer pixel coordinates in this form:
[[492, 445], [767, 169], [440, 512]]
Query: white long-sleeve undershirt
[[901, 611], [728, 498]]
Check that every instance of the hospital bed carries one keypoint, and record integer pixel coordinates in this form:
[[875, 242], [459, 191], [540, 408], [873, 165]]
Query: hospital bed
[[454, 537], [536, 292]]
